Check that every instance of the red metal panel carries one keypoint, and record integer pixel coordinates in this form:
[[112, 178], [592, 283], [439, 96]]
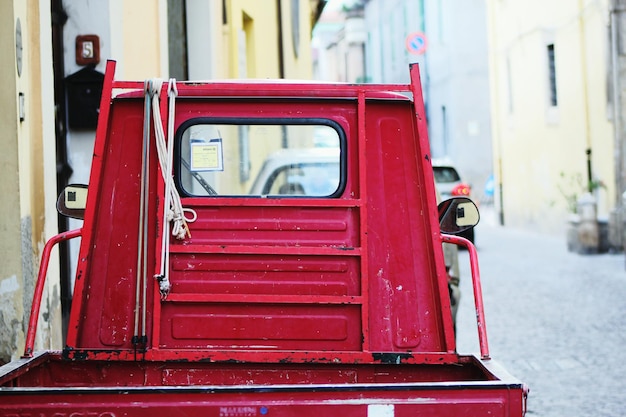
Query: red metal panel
[[366, 246], [361, 151], [264, 274], [425, 174], [259, 224], [401, 267], [96, 174], [106, 283], [263, 356], [52, 371], [426, 400], [261, 326], [160, 230]]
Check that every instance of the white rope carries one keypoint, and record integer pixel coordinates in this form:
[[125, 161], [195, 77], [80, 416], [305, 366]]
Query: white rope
[[173, 211]]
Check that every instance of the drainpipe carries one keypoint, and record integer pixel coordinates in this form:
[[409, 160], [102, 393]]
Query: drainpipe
[[281, 64], [583, 61], [281, 52], [64, 170], [617, 127]]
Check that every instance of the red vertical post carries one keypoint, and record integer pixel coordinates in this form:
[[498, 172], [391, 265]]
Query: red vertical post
[[363, 219], [92, 197], [429, 185]]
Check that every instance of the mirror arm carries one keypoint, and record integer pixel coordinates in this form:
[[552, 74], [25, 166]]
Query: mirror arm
[[478, 293]]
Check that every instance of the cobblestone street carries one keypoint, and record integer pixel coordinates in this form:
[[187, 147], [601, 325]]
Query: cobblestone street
[[555, 320]]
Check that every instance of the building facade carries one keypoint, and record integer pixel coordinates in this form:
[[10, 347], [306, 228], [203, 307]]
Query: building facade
[[27, 169], [376, 41], [552, 110]]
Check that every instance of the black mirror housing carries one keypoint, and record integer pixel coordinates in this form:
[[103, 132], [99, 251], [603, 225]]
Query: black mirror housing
[[457, 215], [72, 201]]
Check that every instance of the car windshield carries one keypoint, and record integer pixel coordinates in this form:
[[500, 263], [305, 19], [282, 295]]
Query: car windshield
[[445, 174]]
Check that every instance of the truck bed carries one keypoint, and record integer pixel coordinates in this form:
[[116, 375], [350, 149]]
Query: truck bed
[[330, 304], [48, 384]]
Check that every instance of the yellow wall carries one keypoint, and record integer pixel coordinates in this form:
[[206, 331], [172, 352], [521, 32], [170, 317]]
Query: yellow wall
[[139, 38], [11, 283], [27, 216], [539, 150], [259, 21]]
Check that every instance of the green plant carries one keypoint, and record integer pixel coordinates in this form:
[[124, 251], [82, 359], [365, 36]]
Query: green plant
[[574, 186]]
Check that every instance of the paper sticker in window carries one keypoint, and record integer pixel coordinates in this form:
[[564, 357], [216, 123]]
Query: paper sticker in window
[[207, 156]]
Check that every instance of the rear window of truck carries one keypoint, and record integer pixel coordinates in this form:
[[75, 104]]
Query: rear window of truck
[[445, 174], [259, 158]]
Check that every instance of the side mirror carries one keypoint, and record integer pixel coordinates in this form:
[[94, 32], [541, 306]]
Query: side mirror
[[457, 215], [72, 201]]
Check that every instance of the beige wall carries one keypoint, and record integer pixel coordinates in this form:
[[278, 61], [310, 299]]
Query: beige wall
[[252, 24], [139, 38], [27, 151], [258, 20], [11, 281], [539, 150]]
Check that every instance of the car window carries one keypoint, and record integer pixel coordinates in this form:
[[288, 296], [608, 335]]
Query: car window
[[445, 174], [259, 158], [314, 179]]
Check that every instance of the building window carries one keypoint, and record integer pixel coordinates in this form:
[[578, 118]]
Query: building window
[[552, 76]]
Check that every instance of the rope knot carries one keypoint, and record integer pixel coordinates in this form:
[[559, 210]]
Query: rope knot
[[164, 285]]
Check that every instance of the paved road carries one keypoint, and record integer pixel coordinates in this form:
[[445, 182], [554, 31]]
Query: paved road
[[556, 320]]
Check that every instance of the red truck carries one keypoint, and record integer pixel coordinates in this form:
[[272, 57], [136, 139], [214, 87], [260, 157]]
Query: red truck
[[199, 292]]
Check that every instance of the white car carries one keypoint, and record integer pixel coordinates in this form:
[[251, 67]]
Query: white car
[[448, 180], [312, 172], [450, 184]]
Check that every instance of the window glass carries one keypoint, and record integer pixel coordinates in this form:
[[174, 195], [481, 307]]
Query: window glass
[[259, 159], [446, 174], [552, 75]]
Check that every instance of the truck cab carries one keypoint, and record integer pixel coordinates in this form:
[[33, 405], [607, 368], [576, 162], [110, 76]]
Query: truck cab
[[321, 288]]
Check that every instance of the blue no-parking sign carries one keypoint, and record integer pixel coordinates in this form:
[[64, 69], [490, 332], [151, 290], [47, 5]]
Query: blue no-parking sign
[[416, 43]]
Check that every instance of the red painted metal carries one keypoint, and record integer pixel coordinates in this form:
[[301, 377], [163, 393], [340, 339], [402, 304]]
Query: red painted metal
[[290, 235], [200, 389], [365, 277], [229, 235], [428, 182], [286, 306], [273, 88], [39, 287], [102, 132], [477, 288]]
